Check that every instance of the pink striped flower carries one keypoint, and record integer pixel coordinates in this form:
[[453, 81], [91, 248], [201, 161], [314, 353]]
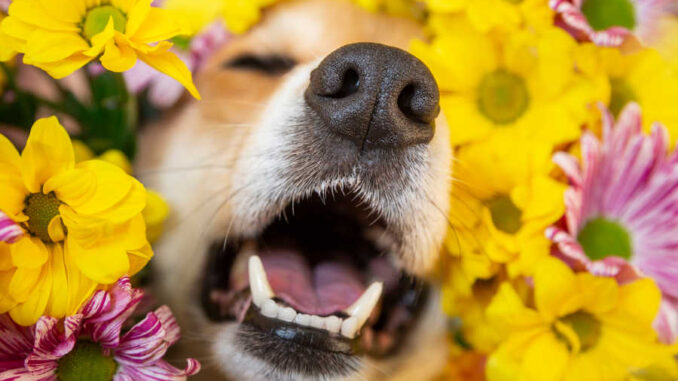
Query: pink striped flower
[[622, 208], [610, 22], [91, 345], [10, 231]]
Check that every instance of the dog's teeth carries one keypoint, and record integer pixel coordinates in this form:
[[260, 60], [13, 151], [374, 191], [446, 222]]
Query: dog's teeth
[[269, 308], [260, 288], [363, 307], [303, 319], [333, 324], [317, 322], [287, 314], [349, 327]]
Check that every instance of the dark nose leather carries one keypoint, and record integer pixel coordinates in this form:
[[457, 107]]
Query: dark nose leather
[[375, 95]]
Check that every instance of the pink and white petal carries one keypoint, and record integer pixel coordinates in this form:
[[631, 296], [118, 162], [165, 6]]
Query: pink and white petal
[[569, 249], [16, 342], [570, 165], [169, 324], [666, 323], [10, 231], [143, 344], [160, 371]]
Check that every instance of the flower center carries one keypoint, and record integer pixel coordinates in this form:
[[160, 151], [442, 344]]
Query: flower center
[[505, 214], [502, 96], [86, 362], [620, 94], [514, 1], [41, 209], [603, 14], [586, 326], [97, 19], [601, 237]]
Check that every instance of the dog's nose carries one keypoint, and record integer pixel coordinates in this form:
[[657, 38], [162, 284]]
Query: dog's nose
[[375, 95]]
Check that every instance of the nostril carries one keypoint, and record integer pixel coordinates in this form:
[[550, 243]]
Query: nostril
[[349, 85], [405, 103]]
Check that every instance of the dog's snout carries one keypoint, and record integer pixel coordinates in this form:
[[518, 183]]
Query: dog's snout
[[375, 95]]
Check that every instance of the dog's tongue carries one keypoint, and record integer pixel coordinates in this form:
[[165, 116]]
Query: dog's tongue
[[327, 288]]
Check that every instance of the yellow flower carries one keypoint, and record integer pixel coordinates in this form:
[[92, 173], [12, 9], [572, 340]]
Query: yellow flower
[[643, 77], [523, 82], [486, 15], [83, 222], [62, 36], [156, 211], [508, 199], [196, 13], [7, 51], [240, 15], [581, 328]]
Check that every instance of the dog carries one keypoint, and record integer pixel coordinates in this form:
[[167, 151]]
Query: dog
[[309, 193]]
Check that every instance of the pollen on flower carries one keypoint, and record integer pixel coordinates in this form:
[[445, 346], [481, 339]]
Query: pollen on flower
[[502, 96], [601, 237], [86, 362], [586, 326], [603, 14], [505, 214], [41, 209], [97, 19]]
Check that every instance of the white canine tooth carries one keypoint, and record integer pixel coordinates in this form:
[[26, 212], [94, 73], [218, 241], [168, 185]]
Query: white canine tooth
[[287, 314], [349, 327], [259, 287], [317, 322], [303, 319], [269, 308], [333, 324], [362, 308]]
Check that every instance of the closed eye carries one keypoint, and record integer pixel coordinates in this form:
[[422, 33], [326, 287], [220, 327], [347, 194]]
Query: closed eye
[[271, 64]]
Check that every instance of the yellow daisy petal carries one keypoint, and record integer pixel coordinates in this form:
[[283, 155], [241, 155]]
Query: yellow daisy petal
[[139, 258], [159, 25], [80, 287], [29, 252], [66, 66], [32, 12], [169, 64], [5, 257], [137, 15], [6, 301], [48, 152], [74, 187], [112, 185], [23, 283], [555, 288], [102, 263], [28, 312], [48, 46], [546, 359], [70, 288], [118, 57], [55, 229]]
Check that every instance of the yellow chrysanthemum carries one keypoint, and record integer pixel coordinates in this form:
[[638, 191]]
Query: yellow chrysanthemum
[[524, 82], [581, 328], [6, 50], [196, 13], [507, 199], [156, 211], [83, 225], [643, 77], [240, 15], [62, 36], [486, 15]]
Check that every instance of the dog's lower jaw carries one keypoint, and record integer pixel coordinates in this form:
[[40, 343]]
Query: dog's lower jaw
[[421, 357]]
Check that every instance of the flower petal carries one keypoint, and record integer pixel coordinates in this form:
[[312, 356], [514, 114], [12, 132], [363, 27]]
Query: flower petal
[[47, 46], [159, 25], [29, 252], [29, 312], [103, 264], [168, 63], [546, 359], [118, 57], [48, 152], [555, 288]]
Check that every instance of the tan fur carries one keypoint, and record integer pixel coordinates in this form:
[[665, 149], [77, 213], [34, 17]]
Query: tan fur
[[215, 160]]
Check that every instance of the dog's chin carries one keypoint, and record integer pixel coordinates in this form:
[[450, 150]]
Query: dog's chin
[[312, 294]]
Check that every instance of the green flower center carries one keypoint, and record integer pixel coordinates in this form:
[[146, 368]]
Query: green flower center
[[97, 19], [621, 93], [502, 96], [586, 326], [41, 209], [505, 214], [514, 1], [86, 362], [603, 14], [601, 238]]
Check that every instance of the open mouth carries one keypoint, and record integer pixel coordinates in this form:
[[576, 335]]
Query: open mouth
[[321, 275]]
